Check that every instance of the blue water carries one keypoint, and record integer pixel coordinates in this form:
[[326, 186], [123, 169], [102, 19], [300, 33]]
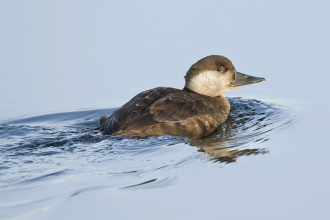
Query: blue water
[[47, 159]]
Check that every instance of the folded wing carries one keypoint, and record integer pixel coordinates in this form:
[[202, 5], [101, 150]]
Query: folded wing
[[170, 111]]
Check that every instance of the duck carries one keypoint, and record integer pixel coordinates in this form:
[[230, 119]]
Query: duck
[[195, 111]]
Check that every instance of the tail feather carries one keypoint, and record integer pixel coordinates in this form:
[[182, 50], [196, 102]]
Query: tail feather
[[109, 126]]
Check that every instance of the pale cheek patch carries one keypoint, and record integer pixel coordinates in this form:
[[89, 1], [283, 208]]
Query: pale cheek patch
[[210, 83]]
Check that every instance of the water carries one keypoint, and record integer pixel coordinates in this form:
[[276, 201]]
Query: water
[[58, 60], [52, 158]]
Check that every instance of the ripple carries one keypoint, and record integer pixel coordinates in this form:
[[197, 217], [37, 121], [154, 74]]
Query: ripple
[[51, 147], [46, 160], [152, 184], [251, 123]]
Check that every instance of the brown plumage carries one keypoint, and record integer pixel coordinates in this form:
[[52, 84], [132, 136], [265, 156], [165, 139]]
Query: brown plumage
[[195, 111]]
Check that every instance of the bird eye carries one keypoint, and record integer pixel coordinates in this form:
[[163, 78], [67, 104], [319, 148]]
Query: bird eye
[[219, 69]]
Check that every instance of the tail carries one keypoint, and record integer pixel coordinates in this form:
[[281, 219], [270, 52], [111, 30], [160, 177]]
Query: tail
[[108, 125], [103, 120]]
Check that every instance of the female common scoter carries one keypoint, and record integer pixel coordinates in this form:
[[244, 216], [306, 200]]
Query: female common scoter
[[195, 111]]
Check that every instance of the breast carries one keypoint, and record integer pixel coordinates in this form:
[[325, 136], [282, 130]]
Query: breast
[[162, 110]]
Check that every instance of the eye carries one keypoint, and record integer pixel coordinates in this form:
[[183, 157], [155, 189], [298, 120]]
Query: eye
[[219, 69]]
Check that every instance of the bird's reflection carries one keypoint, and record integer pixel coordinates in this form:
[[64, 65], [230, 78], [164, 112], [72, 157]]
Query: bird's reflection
[[223, 147], [249, 124]]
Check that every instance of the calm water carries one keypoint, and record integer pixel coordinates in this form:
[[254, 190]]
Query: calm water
[[43, 165], [59, 60]]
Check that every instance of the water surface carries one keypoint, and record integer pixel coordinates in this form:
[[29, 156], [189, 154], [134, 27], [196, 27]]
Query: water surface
[[51, 158]]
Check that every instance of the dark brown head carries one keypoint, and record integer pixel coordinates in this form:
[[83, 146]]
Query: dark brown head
[[214, 75]]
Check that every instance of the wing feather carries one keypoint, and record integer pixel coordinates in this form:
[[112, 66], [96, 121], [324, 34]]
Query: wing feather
[[170, 111]]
